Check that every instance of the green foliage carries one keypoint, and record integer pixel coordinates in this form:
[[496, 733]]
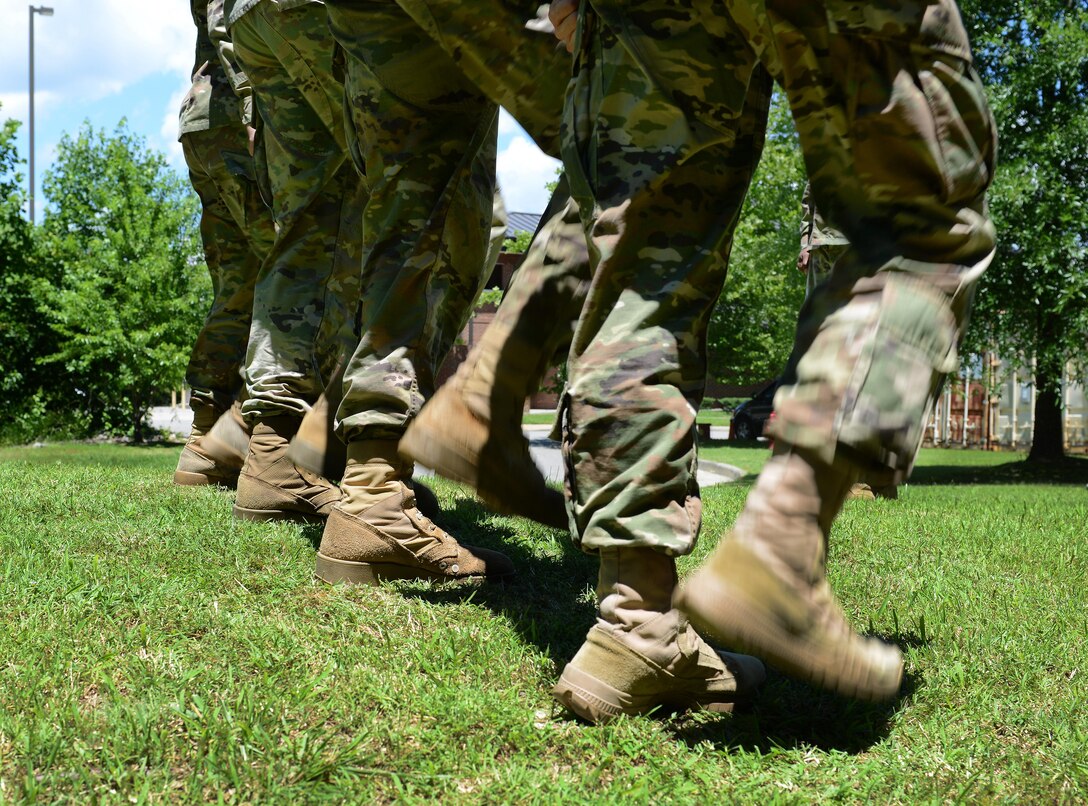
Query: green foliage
[[25, 386], [752, 327], [130, 288], [16, 300], [551, 186], [519, 244], [1033, 300]]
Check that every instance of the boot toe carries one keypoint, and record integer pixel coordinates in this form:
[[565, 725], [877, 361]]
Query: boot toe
[[748, 671], [426, 501], [475, 561]]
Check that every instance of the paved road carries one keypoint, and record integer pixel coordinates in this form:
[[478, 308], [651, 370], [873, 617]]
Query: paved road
[[545, 452]]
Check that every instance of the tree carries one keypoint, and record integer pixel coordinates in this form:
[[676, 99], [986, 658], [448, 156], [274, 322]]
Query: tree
[[121, 229], [17, 307], [518, 244], [1033, 300], [24, 334], [752, 327]]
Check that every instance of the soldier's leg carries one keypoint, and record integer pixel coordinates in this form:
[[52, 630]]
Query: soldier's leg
[[236, 231], [316, 446], [307, 292], [898, 141], [470, 430], [426, 140], [669, 180], [520, 69]]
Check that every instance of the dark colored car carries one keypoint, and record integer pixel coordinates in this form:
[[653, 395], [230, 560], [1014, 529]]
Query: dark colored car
[[750, 417]]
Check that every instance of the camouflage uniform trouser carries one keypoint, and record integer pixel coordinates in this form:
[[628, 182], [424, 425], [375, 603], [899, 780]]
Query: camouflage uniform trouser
[[668, 180], [643, 151], [898, 142], [426, 140], [527, 74], [308, 290], [237, 232]]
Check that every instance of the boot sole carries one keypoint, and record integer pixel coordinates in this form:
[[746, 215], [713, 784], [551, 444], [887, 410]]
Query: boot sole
[[266, 515], [717, 609], [595, 701], [186, 478], [334, 571]]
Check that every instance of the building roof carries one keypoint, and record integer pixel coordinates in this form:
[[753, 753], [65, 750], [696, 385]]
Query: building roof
[[521, 222]]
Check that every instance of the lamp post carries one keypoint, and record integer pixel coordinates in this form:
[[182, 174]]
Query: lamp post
[[45, 12]]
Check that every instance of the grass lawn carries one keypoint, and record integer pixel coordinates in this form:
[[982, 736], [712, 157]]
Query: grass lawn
[[154, 649], [936, 465]]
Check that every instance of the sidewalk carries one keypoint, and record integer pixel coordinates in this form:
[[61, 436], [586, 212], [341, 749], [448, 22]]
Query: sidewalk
[[549, 458], [545, 451]]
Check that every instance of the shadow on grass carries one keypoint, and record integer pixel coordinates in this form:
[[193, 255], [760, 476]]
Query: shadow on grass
[[544, 601], [789, 714], [1071, 470]]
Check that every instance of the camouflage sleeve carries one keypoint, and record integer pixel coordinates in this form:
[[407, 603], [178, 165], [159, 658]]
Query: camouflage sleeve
[[217, 30], [815, 229], [807, 214]]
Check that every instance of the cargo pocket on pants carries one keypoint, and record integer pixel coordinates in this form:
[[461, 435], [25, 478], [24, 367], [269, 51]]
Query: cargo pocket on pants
[[893, 386]]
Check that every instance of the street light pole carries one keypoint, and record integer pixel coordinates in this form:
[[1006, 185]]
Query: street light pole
[[45, 12]]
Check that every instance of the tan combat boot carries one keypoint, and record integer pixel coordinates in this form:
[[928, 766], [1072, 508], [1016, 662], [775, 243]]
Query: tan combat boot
[[215, 450], [316, 447], [765, 589], [377, 532], [642, 654], [271, 487], [470, 431], [860, 491]]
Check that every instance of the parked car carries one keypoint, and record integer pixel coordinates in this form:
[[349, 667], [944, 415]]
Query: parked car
[[751, 416]]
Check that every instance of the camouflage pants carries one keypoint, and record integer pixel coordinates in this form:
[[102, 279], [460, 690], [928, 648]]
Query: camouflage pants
[[237, 232], [643, 146], [308, 291], [899, 144], [426, 138], [523, 71], [667, 173]]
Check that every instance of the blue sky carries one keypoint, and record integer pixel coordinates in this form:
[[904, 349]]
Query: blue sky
[[104, 60]]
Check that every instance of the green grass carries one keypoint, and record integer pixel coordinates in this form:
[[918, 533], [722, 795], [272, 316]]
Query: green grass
[[538, 418], [154, 649], [933, 466]]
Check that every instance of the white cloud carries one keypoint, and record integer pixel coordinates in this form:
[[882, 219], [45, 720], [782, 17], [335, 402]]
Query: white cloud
[[168, 132], [91, 48], [524, 170], [507, 125]]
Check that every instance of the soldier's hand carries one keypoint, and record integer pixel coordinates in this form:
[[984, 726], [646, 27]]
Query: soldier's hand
[[802, 260], [564, 17], [252, 132]]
